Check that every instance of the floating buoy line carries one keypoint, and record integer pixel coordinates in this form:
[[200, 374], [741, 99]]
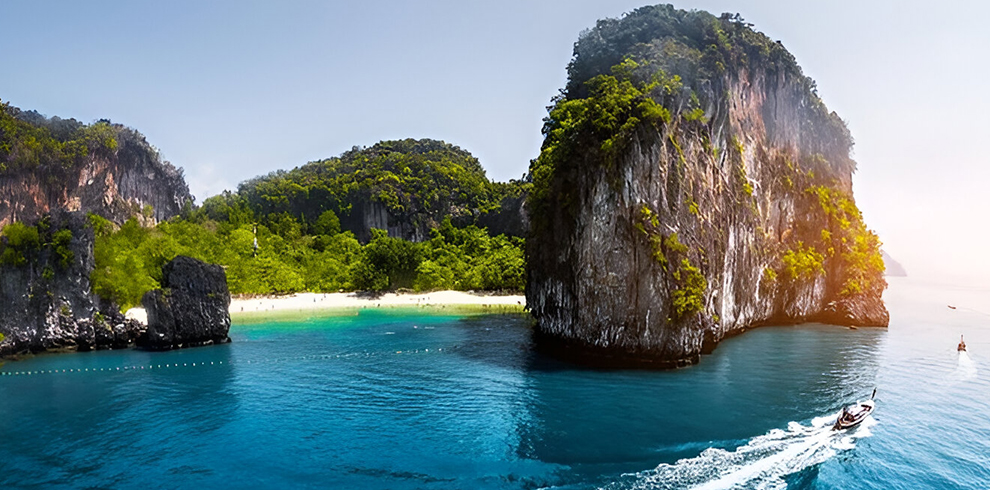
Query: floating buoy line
[[203, 364]]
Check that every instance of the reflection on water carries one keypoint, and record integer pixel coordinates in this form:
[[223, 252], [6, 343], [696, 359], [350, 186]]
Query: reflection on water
[[82, 428], [620, 421], [422, 400]]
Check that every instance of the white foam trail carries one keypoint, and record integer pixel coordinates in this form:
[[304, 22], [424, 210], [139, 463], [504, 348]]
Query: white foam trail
[[966, 369], [761, 463]]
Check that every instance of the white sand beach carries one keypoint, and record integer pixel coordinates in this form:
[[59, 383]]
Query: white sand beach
[[312, 302]]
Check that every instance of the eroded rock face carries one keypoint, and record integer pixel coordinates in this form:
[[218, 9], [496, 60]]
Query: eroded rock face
[[131, 181], [191, 308], [47, 304], [734, 211]]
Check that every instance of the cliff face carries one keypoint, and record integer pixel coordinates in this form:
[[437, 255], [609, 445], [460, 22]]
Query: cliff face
[[190, 309], [366, 214], [682, 196], [108, 169], [46, 300]]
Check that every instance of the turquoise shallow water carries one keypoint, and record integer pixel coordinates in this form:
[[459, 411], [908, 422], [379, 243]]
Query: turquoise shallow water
[[413, 399]]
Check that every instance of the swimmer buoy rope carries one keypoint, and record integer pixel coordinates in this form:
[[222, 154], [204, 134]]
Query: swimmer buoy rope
[[273, 360]]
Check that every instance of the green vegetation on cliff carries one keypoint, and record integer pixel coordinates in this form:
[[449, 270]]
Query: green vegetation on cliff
[[23, 245], [855, 247], [596, 127], [668, 79], [31, 142], [674, 71], [419, 182]]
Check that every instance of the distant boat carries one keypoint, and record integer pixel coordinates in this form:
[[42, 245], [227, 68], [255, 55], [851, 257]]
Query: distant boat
[[962, 345], [951, 307], [854, 415]]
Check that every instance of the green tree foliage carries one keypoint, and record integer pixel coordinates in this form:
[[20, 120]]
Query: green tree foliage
[[19, 242], [129, 258], [327, 224], [597, 125], [688, 298], [387, 263], [31, 142], [803, 262], [416, 180], [847, 238]]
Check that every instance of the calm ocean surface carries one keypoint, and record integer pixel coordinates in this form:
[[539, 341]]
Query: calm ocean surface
[[411, 399]]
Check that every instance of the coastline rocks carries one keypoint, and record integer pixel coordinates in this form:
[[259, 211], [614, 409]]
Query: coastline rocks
[[47, 299], [855, 312], [191, 309]]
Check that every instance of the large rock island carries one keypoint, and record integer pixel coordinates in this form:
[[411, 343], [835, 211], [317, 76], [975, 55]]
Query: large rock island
[[691, 184]]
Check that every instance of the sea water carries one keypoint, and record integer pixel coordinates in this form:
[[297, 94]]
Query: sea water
[[417, 398]]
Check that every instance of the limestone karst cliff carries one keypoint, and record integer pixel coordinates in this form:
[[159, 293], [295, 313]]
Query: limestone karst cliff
[[691, 184], [45, 297], [190, 309], [49, 164]]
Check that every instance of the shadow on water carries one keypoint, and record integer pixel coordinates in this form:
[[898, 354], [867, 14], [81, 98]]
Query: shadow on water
[[603, 423], [67, 423]]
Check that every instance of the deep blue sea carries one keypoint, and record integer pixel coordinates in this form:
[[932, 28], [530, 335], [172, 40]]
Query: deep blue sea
[[410, 399]]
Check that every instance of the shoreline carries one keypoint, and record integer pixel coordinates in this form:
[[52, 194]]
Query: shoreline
[[307, 304]]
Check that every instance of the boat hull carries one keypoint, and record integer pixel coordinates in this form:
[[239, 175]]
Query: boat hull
[[854, 415]]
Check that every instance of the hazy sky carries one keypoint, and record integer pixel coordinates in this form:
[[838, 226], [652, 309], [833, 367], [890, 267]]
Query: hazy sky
[[230, 90]]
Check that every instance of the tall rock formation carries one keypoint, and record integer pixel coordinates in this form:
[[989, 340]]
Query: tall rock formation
[[45, 297], [190, 309], [62, 164], [691, 184]]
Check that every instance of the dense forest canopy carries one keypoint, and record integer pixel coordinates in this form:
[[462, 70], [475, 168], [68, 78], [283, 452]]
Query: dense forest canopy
[[281, 233], [129, 259], [416, 181]]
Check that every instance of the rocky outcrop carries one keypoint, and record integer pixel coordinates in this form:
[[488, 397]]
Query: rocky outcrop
[[691, 185], [509, 219], [47, 303], [191, 308], [123, 179], [893, 267]]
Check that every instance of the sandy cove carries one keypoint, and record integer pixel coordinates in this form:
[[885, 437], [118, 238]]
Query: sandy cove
[[266, 306]]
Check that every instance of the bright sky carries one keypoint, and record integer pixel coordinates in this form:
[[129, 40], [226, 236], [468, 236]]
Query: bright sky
[[230, 90]]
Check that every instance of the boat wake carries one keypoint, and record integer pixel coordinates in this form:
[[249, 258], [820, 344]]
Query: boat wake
[[966, 369], [762, 463]]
